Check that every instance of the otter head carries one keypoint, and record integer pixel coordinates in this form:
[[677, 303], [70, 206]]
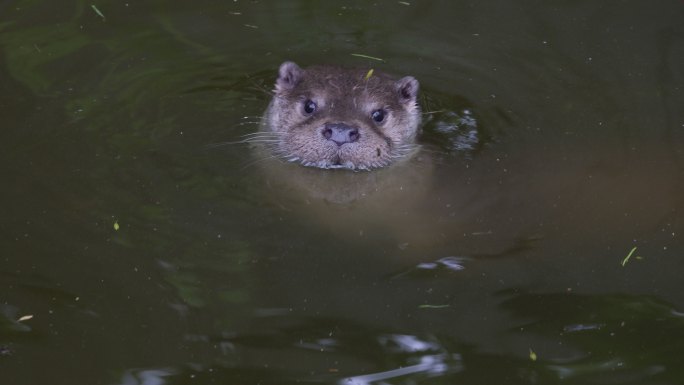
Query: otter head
[[330, 117]]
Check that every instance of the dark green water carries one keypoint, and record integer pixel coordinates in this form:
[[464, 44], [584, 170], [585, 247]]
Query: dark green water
[[555, 133]]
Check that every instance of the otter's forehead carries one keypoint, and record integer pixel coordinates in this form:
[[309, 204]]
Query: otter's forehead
[[347, 86]]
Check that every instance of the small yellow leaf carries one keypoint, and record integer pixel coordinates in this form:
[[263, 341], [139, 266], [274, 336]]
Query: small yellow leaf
[[533, 355], [25, 317], [116, 225], [369, 74]]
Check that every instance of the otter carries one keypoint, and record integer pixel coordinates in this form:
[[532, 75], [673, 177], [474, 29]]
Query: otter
[[330, 117], [334, 120]]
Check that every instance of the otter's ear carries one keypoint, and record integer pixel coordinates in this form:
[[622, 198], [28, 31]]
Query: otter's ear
[[408, 89], [289, 75]]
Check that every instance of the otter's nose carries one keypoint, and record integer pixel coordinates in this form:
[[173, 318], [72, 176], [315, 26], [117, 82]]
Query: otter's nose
[[340, 133]]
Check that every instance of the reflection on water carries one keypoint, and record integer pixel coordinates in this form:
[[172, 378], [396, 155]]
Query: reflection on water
[[147, 376], [428, 364], [454, 132], [281, 354], [553, 145], [634, 339]]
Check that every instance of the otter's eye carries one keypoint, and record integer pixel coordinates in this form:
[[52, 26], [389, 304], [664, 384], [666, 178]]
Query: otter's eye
[[378, 115], [309, 106]]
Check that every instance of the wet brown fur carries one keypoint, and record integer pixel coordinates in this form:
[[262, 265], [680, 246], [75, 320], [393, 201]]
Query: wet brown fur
[[344, 96]]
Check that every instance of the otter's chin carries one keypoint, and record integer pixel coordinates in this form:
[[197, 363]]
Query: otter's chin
[[337, 162], [347, 157]]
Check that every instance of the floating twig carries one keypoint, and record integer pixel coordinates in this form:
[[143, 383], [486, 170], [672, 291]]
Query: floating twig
[[624, 261], [367, 57], [94, 7]]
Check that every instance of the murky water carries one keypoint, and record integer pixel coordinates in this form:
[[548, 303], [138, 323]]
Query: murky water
[[134, 252]]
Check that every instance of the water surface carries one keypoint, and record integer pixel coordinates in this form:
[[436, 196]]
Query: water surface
[[135, 252]]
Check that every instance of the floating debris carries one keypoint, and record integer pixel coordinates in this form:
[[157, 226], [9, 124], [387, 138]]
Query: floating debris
[[116, 225], [25, 317], [624, 261], [533, 355], [369, 74], [98, 12], [426, 306], [368, 57]]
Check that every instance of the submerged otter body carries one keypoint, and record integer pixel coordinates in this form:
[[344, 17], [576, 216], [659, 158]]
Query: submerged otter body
[[330, 117]]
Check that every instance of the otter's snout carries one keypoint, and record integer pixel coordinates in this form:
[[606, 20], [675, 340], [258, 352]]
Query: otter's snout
[[340, 133]]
